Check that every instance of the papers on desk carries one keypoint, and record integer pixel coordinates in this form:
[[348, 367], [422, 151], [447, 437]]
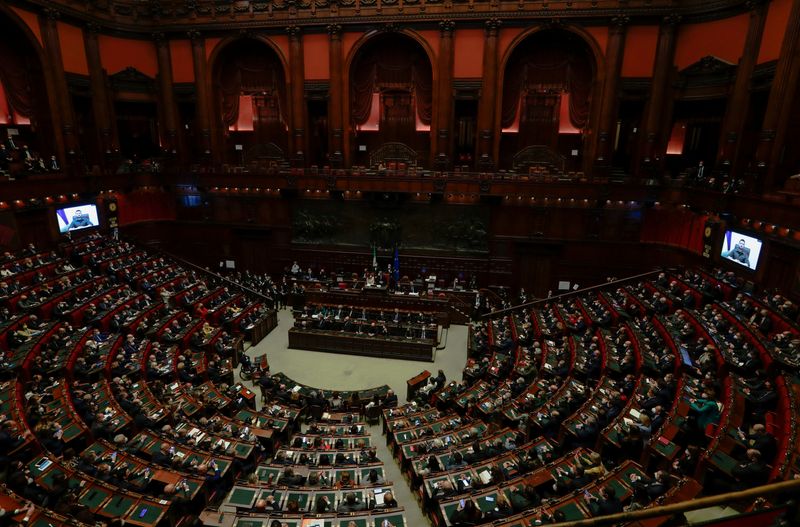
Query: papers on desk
[[485, 477], [636, 414], [379, 496]]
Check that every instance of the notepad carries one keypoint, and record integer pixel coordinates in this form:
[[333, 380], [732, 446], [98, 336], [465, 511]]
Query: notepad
[[379, 496]]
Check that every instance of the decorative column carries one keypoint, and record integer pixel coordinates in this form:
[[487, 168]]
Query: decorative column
[[782, 95], [444, 100], [60, 102], [739, 101], [615, 49], [169, 111], [486, 106], [203, 104], [101, 102], [654, 141], [336, 97], [297, 85]]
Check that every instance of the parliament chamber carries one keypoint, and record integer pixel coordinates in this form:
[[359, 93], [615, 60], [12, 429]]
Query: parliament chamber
[[399, 263]]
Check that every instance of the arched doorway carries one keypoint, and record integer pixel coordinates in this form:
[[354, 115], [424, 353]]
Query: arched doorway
[[390, 100], [548, 84], [250, 101], [25, 119]]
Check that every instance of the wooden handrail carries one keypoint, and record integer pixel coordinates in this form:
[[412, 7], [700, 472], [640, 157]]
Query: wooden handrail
[[788, 487], [570, 293]]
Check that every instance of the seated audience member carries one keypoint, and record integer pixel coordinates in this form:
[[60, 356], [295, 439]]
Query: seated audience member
[[762, 441], [388, 501], [645, 491], [350, 503], [751, 473], [502, 509], [606, 504], [322, 505], [467, 513]]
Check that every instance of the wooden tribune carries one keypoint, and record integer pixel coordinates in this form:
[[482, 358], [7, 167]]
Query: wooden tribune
[[349, 344]]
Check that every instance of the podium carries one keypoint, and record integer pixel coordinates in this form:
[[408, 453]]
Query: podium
[[415, 383]]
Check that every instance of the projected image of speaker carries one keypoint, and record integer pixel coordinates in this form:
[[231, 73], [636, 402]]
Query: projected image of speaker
[[77, 217], [741, 248]]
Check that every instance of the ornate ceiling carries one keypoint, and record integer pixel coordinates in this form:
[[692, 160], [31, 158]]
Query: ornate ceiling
[[179, 16]]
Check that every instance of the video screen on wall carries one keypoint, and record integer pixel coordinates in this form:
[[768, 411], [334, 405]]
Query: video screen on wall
[[77, 217], [741, 249]]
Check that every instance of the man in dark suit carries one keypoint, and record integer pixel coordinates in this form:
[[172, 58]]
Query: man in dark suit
[[586, 433], [762, 441], [740, 253], [608, 503], [350, 504], [751, 473], [647, 491]]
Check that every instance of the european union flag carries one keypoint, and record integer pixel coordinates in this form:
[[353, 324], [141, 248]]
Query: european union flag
[[396, 266]]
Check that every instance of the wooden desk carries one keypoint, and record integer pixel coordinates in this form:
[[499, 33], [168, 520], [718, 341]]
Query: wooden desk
[[147, 512], [350, 344], [414, 384], [262, 327], [217, 518]]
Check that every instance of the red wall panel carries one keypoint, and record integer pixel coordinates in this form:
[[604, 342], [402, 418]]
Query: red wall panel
[[281, 42], [468, 56], [116, 54], [31, 21], [504, 41], [145, 206], [316, 58], [600, 35], [721, 38], [680, 228], [348, 41], [774, 30], [211, 43], [640, 51], [182, 66], [432, 38], [73, 52]]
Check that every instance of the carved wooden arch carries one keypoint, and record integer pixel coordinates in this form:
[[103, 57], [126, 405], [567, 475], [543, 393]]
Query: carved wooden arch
[[357, 46], [213, 57], [597, 89], [6, 10], [212, 62], [47, 73]]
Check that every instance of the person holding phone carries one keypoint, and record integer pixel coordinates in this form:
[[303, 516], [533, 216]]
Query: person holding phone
[[608, 503], [502, 509], [467, 513]]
